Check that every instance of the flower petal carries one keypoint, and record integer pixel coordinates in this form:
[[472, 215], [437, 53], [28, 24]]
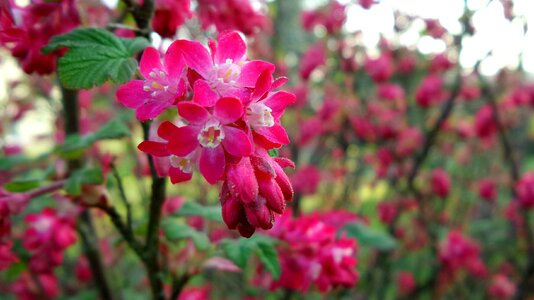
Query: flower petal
[[150, 61], [251, 71], [236, 142], [230, 46], [195, 56], [182, 140], [276, 134], [278, 82], [131, 94], [151, 109], [193, 113], [178, 176], [263, 85], [174, 63], [154, 148], [228, 110], [279, 101], [212, 164], [203, 94]]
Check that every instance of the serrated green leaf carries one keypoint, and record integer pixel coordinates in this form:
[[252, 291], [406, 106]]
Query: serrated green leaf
[[194, 209], [176, 231], [269, 257], [369, 237], [73, 186], [94, 57], [84, 37], [135, 45]]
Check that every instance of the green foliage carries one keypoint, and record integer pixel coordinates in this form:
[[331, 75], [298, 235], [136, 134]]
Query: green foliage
[[29, 180], [239, 252], [212, 213], [370, 237], [175, 231], [95, 56], [83, 176], [75, 144]]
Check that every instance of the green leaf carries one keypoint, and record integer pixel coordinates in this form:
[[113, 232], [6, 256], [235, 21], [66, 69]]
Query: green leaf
[[8, 162], [135, 45], [94, 57], [176, 231], [112, 130], [369, 237], [75, 145], [194, 209], [239, 252], [269, 257], [29, 180], [73, 186], [22, 185]]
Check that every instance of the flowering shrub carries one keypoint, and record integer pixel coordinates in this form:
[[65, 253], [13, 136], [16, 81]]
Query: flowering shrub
[[304, 161]]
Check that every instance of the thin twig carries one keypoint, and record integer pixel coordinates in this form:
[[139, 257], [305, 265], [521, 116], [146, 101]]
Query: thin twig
[[123, 195]]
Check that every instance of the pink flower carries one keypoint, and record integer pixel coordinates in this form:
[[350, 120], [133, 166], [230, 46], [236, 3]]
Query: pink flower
[[366, 3], [406, 282], [458, 252], [409, 140], [332, 17], [232, 15], [434, 28], [264, 109], [441, 183], [32, 28], [306, 180], [211, 133], [501, 287], [313, 254], [47, 227], [83, 270], [225, 71], [429, 92], [380, 69], [487, 190], [525, 190], [178, 168], [314, 58], [485, 125], [163, 86], [6, 256], [169, 15], [25, 288], [387, 212], [389, 91]]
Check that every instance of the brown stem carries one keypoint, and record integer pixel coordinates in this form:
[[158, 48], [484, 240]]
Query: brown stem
[[85, 227]]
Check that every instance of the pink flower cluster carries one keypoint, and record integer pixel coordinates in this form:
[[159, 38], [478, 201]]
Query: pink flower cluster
[[458, 252], [525, 190], [30, 28], [312, 254], [332, 17], [228, 118], [169, 15], [232, 15], [46, 238]]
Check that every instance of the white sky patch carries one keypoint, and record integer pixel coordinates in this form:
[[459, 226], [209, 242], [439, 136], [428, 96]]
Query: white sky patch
[[493, 32]]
